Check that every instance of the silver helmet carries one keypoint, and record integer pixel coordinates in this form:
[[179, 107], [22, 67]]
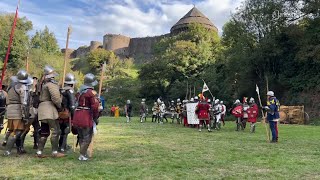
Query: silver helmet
[[69, 79], [23, 77], [90, 80], [128, 101], [49, 72]]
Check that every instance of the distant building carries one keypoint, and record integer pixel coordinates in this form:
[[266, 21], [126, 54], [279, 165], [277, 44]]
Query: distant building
[[126, 47]]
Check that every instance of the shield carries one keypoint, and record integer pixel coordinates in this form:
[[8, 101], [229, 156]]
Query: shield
[[237, 112], [252, 114], [192, 117]]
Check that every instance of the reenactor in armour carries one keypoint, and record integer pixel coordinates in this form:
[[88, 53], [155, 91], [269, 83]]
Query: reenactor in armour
[[155, 111], [245, 113], [3, 102], [18, 111], [50, 104], [273, 108], [202, 110], [253, 113], [217, 109], [86, 114], [172, 109], [178, 111], [33, 119], [34, 102], [68, 107], [143, 111], [223, 112], [128, 111]]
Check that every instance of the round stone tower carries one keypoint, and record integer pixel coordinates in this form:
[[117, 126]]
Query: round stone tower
[[95, 45], [193, 16], [119, 44]]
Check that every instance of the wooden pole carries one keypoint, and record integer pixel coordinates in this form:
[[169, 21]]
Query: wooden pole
[[27, 62], [66, 55], [99, 94], [263, 115]]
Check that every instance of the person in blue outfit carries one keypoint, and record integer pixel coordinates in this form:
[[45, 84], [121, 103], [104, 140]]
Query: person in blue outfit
[[272, 108]]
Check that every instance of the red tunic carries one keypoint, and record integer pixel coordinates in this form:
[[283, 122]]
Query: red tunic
[[253, 113], [202, 110], [87, 110]]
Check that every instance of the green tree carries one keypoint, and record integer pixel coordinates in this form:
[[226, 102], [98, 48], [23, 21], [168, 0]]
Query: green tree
[[20, 41], [46, 41]]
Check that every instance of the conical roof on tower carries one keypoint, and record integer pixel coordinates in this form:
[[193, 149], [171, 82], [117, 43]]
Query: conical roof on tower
[[193, 16]]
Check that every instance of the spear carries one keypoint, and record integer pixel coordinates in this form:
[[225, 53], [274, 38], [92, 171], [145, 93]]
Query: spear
[[263, 116], [66, 55], [99, 95], [9, 45]]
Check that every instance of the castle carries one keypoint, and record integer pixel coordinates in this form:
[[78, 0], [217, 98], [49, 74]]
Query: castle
[[126, 47]]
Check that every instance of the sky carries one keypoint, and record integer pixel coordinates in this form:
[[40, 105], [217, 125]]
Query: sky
[[92, 19]]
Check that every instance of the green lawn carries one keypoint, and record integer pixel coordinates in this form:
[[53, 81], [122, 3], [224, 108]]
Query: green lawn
[[170, 151]]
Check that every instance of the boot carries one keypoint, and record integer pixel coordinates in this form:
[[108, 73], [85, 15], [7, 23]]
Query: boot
[[219, 126], [9, 145], [209, 129], [56, 154], [200, 127]]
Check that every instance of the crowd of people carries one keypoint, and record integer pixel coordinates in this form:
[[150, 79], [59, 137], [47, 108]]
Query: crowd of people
[[51, 110], [211, 115]]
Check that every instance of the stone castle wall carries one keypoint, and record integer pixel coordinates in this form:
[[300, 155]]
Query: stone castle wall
[[117, 43], [143, 46]]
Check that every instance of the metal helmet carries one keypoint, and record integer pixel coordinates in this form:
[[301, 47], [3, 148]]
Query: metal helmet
[[209, 100], [270, 93], [191, 100], [178, 100], [23, 77], [90, 80], [69, 79], [251, 100], [49, 72], [216, 101], [237, 101], [221, 102], [128, 101], [196, 98], [155, 103], [172, 101]]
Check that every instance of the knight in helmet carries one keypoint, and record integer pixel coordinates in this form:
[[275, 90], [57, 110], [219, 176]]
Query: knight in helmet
[[217, 113], [143, 111], [245, 112], [202, 110], [253, 113], [178, 111], [237, 112], [155, 111], [68, 107], [162, 108], [172, 109], [273, 108], [18, 111], [86, 114], [128, 110], [50, 104]]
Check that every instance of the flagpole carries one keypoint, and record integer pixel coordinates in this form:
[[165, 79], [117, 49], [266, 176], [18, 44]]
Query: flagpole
[[213, 98], [9, 45], [263, 116]]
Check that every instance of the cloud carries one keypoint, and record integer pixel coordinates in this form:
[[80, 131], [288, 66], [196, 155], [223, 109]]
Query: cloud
[[92, 19]]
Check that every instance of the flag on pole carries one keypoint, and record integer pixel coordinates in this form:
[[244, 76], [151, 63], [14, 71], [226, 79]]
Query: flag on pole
[[205, 88]]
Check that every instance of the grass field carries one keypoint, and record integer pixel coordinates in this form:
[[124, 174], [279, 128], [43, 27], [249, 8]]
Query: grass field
[[169, 151]]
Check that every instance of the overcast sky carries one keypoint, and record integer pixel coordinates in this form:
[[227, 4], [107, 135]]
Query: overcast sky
[[92, 19]]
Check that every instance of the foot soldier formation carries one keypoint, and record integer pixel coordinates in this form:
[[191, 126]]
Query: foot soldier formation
[[57, 109]]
